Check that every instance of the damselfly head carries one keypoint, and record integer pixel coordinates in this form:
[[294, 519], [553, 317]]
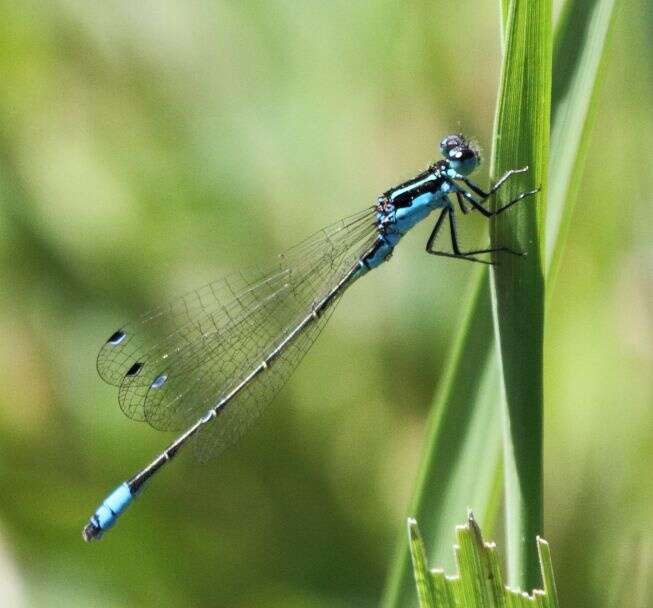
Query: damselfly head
[[463, 156]]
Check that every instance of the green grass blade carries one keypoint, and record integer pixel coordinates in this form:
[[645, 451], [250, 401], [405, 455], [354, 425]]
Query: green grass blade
[[522, 139], [443, 593], [548, 580], [458, 430], [578, 60], [504, 6], [423, 581], [448, 464], [479, 582]]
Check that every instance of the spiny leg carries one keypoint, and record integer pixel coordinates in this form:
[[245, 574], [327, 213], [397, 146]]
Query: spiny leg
[[461, 202], [487, 213], [457, 254], [485, 195], [436, 229], [456, 248], [502, 180], [477, 204]]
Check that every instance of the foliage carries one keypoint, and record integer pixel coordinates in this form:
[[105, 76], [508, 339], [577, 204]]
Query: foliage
[[479, 582], [148, 148], [461, 464]]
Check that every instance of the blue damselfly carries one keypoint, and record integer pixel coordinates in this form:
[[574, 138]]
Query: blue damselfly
[[206, 364]]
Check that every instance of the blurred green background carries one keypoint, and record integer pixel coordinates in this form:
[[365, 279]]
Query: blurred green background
[[147, 148]]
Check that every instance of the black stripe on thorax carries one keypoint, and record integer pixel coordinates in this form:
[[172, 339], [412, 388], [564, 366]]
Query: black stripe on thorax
[[405, 193]]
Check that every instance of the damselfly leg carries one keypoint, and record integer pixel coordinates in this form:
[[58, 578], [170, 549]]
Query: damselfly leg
[[461, 202], [483, 196], [461, 196], [457, 252]]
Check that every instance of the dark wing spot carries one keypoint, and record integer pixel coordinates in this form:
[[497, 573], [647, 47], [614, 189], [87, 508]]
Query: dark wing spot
[[134, 369], [116, 338]]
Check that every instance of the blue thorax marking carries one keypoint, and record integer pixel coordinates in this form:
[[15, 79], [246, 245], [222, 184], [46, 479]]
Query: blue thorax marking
[[404, 206], [407, 217], [404, 194]]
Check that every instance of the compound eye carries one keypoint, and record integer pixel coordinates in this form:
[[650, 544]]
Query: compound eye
[[463, 159], [462, 154], [451, 142]]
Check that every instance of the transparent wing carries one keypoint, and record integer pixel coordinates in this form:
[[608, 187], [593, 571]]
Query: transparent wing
[[176, 362], [243, 410]]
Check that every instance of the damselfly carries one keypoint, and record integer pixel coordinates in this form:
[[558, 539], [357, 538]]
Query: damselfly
[[208, 363]]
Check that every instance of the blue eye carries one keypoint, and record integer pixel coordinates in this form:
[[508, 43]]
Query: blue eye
[[463, 159]]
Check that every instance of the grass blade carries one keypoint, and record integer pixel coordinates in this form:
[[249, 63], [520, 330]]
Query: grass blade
[[546, 564], [479, 582], [423, 581], [578, 62], [448, 462], [522, 139], [464, 422]]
